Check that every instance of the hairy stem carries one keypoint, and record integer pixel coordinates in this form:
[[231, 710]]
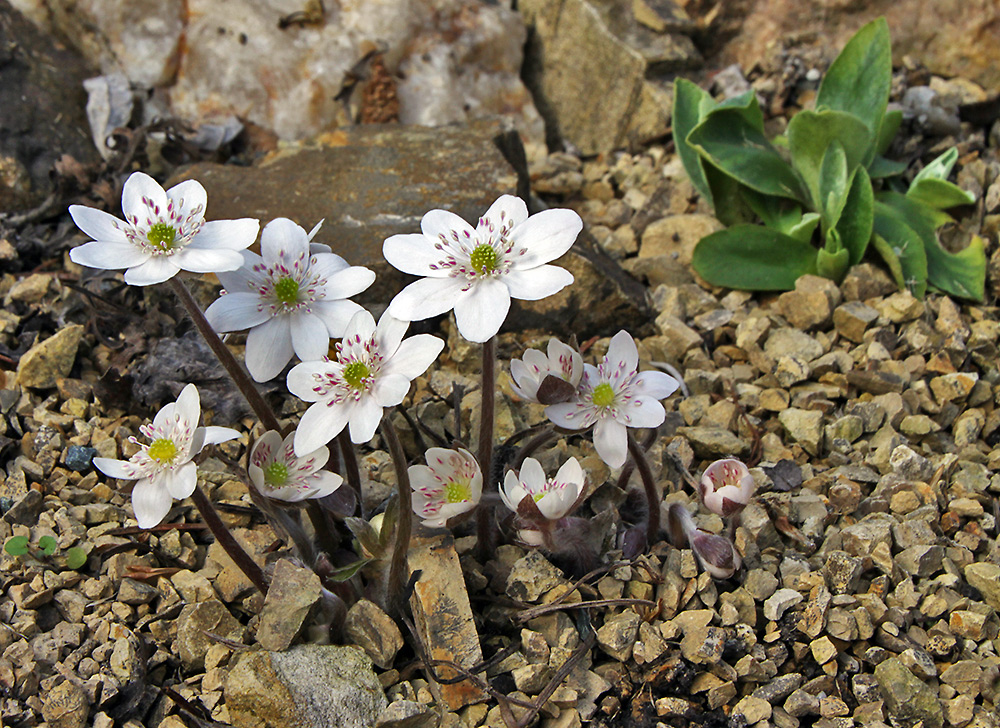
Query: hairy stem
[[529, 448], [352, 472], [228, 542], [649, 487], [398, 567], [236, 372], [484, 521]]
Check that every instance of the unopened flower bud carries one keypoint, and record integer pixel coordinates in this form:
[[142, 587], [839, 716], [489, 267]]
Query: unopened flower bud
[[726, 487], [716, 554]]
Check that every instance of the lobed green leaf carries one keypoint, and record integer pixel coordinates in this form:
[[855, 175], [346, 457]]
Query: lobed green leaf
[[810, 136], [48, 545], [76, 557], [691, 103], [16, 545], [753, 258]]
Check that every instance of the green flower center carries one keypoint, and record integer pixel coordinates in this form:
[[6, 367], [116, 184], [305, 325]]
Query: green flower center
[[287, 290], [457, 492], [163, 450], [483, 259], [276, 474], [604, 395], [537, 496], [356, 373], [161, 236]]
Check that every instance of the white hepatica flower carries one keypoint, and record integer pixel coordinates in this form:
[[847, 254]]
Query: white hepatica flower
[[726, 487], [373, 370], [476, 271], [163, 232], [614, 396], [277, 473], [449, 484], [163, 467], [554, 497], [530, 373], [290, 297]]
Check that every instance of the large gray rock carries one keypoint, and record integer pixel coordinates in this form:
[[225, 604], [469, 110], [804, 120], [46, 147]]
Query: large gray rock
[[594, 66], [309, 686]]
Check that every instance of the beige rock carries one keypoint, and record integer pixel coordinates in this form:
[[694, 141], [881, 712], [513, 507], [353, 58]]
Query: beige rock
[[50, 359], [291, 596], [677, 235]]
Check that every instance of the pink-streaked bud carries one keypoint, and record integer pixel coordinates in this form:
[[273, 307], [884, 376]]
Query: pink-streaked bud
[[716, 554], [726, 487]]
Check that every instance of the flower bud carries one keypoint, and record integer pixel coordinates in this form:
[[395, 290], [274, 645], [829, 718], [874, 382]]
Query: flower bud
[[716, 554], [726, 487]]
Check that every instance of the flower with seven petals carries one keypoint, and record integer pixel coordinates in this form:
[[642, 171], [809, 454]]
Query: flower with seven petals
[[276, 473], [163, 467], [476, 271], [614, 396], [373, 370], [449, 484], [726, 487], [163, 232], [291, 298], [531, 374]]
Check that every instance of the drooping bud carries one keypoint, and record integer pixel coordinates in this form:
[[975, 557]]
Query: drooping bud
[[716, 554], [726, 487]]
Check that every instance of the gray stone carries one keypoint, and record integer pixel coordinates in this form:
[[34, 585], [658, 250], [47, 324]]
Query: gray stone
[[291, 597], [779, 688], [779, 602], [907, 697], [986, 578], [920, 560], [617, 635], [309, 685], [852, 319], [65, 706], [804, 426], [374, 631], [792, 342], [752, 710], [532, 576], [714, 442], [134, 592], [842, 572], [80, 458], [193, 623], [406, 714], [50, 359], [25, 510]]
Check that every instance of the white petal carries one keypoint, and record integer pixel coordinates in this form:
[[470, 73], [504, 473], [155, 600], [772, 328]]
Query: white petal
[[336, 315], [315, 229], [226, 234], [623, 356], [205, 260], [364, 420], [348, 282], [300, 380], [524, 379], [390, 390], [150, 502], [188, 406], [361, 327], [427, 297], [189, 196], [236, 312], [115, 468], [506, 210], [214, 435], [554, 505], [243, 279], [269, 349], [569, 415], [532, 476], [310, 338], [537, 283], [512, 492], [282, 239], [180, 483], [544, 237], [611, 441], [98, 224], [163, 418], [108, 255], [559, 352], [414, 356], [326, 263], [267, 448], [323, 483], [481, 312], [658, 385], [571, 473], [156, 269], [442, 222], [416, 254], [645, 412], [318, 426], [137, 187]]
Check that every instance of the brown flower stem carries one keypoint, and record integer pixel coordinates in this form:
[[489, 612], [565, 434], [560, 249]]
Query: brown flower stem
[[485, 529], [529, 448], [352, 471], [236, 372], [649, 486], [228, 542], [322, 525], [398, 567]]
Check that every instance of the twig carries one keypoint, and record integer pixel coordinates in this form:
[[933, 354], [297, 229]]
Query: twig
[[228, 542], [538, 611]]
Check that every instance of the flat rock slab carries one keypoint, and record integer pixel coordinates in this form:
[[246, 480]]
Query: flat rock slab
[[293, 593], [443, 615]]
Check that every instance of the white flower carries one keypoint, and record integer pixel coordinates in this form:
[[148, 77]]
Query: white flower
[[614, 396], [449, 484], [563, 362], [290, 297], [476, 271], [163, 467], [277, 473], [715, 553], [726, 487], [373, 370], [554, 497], [163, 232]]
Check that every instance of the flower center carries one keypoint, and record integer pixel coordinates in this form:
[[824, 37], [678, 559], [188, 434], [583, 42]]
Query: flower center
[[604, 395], [162, 450], [161, 236], [276, 474], [538, 496], [457, 492], [287, 290], [483, 259], [356, 373]]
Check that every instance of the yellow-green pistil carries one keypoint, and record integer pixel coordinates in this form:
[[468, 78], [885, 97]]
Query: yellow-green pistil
[[604, 395], [162, 450], [483, 259], [161, 236], [276, 474], [287, 290], [456, 492], [355, 374]]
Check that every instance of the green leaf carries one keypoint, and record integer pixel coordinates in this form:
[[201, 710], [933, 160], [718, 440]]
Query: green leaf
[[881, 167], [753, 258], [690, 104], [747, 106], [810, 134], [832, 265], [732, 144], [891, 259], [730, 196], [48, 545], [16, 545], [345, 573], [855, 224], [366, 534], [961, 274], [833, 184], [906, 245], [887, 130], [858, 81], [939, 193], [76, 557], [390, 519], [804, 230], [940, 168]]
